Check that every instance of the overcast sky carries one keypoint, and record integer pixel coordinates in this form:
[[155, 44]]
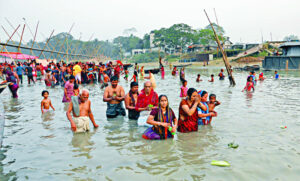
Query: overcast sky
[[242, 20]]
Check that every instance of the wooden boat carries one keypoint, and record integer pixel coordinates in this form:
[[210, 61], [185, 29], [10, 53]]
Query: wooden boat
[[154, 71], [180, 66], [251, 68], [128, 65], [2, 87], [248, 68]]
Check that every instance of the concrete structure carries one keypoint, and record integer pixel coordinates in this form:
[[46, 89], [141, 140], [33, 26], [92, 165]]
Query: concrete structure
[[290, 58]]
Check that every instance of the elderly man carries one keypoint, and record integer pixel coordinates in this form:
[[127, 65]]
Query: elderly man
[[114, 95], [81, 108], [147, 100], [131, 100]]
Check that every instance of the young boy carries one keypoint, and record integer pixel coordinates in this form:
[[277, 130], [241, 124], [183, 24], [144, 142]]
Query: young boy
[[46, 103], [198, 78], [126, 74], [212, 103], [212, 78], [276, 75], [221, 75]]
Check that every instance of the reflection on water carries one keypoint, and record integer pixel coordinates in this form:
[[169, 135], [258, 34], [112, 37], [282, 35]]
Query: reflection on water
[[43, 147]]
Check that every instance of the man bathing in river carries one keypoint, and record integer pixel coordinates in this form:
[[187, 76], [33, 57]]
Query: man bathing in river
[[147, 100], [131, 100], [114, 95], [81, 108]]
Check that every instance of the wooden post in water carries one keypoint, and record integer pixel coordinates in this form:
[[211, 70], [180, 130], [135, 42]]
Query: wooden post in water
[[231, 79], [287, 65]]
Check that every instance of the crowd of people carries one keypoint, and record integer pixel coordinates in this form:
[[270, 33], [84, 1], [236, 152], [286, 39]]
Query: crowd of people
[[146, 106]]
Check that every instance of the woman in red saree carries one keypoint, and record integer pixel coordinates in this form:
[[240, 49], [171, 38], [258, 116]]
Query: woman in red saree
[[188, 116]]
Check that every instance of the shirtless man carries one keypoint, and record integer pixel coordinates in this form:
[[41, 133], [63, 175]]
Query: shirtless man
[[81, 108], [114, 95], [131, 100]]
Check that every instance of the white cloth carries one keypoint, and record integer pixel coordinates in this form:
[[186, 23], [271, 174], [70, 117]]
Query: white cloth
[[142, 121], [82, 124]]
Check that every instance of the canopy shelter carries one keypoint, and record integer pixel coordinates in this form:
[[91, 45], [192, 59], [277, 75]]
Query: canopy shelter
[[17, 55]]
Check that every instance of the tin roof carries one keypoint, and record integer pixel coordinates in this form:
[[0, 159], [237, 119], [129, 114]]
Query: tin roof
[[289, 44]]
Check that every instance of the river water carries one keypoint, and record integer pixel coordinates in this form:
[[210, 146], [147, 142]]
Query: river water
[[37, 147]]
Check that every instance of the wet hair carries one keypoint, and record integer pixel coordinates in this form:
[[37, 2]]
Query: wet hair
[[202, 93], [114, 78], [275, 71], [132, 84], [248, 79], [184, 81], [72, 77], [212, 75], [44, 91], [190, 92], [76, 86], [198, 75], [212, 95]]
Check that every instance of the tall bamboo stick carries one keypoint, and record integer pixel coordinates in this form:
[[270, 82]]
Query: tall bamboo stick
[[231, 79]]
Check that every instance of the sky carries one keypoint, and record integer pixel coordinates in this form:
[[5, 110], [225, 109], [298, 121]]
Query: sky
[[243, 21]]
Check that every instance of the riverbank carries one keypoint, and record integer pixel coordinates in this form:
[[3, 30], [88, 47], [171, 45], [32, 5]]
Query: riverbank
[[214, 63]]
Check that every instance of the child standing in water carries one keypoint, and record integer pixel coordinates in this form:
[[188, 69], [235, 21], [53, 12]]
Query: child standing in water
[[126, 74], [204, 115], [53, 80], [183, 89], [134, 77], [76, 90], [261, 77], [221, 75], [276, 75], [211, 78], [212, 103], [249, 85], [46, 103], [198, 78]]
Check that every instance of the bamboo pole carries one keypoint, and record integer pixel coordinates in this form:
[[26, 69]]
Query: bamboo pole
[[21, 38], [66, 39], [3, 46], [17, 32], [36, 49], [47, 42], [232, 82]]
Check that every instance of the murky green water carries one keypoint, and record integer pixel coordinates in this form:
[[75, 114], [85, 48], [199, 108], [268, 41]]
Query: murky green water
[[39, 147]]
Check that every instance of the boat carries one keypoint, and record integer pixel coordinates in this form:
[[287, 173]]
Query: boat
[[251, 68], [180, 66], [154, 71], [248, 68], [128, 65]]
